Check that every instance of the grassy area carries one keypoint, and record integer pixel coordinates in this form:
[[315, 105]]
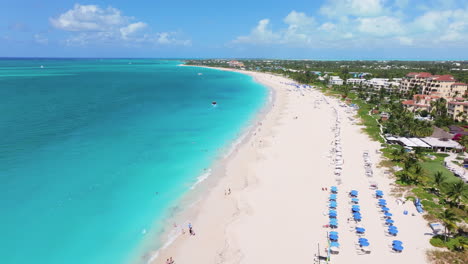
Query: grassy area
[[432, 166]]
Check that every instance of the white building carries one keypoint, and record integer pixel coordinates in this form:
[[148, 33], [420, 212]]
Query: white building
[[335, 80], [355, 81], [382, 83]]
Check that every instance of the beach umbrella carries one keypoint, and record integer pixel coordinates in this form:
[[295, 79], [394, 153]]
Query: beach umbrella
[[333, 233], [392, 227], [360, 230], [333, 215], [354, 193], [393, 231], [333, 237], [395, 242], [335, 244], [389, 221], [382, 204], [357, 217], [356, 209], [355, 200], [388, 214], [334, 189], [398, 247], [385, 209], [333, 204], [382, 200], [364, 243], [333, 222]]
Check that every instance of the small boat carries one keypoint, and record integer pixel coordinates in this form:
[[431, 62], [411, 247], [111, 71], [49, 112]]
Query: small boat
[[214, 103], [42, 66], [200, 73]]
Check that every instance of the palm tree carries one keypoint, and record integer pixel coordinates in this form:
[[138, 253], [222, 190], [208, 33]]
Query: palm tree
[[439, 180], [457, 191], [448, 218]]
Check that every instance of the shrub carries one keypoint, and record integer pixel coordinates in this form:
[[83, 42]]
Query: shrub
[[437, 242]]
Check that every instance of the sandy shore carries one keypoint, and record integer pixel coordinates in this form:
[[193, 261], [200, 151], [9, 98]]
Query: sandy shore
[[277, 209]]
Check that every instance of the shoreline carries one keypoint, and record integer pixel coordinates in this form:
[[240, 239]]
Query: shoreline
[[187, 206], [237, 228]]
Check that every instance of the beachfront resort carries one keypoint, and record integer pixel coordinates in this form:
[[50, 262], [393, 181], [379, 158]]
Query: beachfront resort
[[387, 183]]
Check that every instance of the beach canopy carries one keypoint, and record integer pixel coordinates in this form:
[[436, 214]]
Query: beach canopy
[[333, 222], [364, 242], [333, 237], [334, 189], [392, 227], [393, 231], [355, 200], [354, 193], [355, 206], [398, 247], [360, 230], [333, 214], [382, 200], [396, 242], [356, 209], [332, 195], [335, 244], [389, 221], [388, 214], [385, 209], [333, 233], [333, 204]]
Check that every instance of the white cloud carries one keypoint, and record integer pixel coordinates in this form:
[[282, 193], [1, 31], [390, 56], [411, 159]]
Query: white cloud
[[328, 27], [380, 26], [132, 29], [89, 18], [335, 8], [91, 24], [260, 34], [40, 39], [405, 41]]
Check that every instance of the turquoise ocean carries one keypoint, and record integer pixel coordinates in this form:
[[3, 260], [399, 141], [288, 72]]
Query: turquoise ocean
[[93, 152]]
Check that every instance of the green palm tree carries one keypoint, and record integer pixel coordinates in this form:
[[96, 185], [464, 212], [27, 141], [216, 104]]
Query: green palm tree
[[449, 219], [457, 191]]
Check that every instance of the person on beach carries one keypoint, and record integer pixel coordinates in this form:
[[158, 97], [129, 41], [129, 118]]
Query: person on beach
[[229, 191]]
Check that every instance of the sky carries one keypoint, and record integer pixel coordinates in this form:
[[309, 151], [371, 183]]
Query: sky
[[288, 29]]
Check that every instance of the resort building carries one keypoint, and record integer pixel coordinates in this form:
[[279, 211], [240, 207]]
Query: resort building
[[235, 63], [457, 110], [382, 83], [426, 83], [335, 80], [355, 81], [420, 102]]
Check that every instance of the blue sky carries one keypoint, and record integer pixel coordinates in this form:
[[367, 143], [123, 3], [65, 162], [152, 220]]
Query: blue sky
[[322, 29]]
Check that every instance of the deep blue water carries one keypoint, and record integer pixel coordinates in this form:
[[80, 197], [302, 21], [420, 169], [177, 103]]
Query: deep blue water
[[85, 144]]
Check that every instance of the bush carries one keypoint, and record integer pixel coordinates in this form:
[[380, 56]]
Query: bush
[[437, 242]]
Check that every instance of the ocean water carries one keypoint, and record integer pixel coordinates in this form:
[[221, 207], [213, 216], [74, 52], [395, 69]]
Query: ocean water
[[94, 152]]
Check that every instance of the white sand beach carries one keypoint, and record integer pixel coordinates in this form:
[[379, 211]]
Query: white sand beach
[[277, 210]]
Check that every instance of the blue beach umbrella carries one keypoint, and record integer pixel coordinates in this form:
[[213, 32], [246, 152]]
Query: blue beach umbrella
[[388, 214], [360, 230], [353, 193], [332, 197], [355, 206], [356, 209], [393, 231], [333, 204], [334, 189], [392, 227], [333, 233], [385, 209], [364, 243], [355, 200], [333, 237], [389, 221], [332, 212], [397, 242], [382, 200], [333, 215], [335, 244], [398, 247], [333, 222]]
